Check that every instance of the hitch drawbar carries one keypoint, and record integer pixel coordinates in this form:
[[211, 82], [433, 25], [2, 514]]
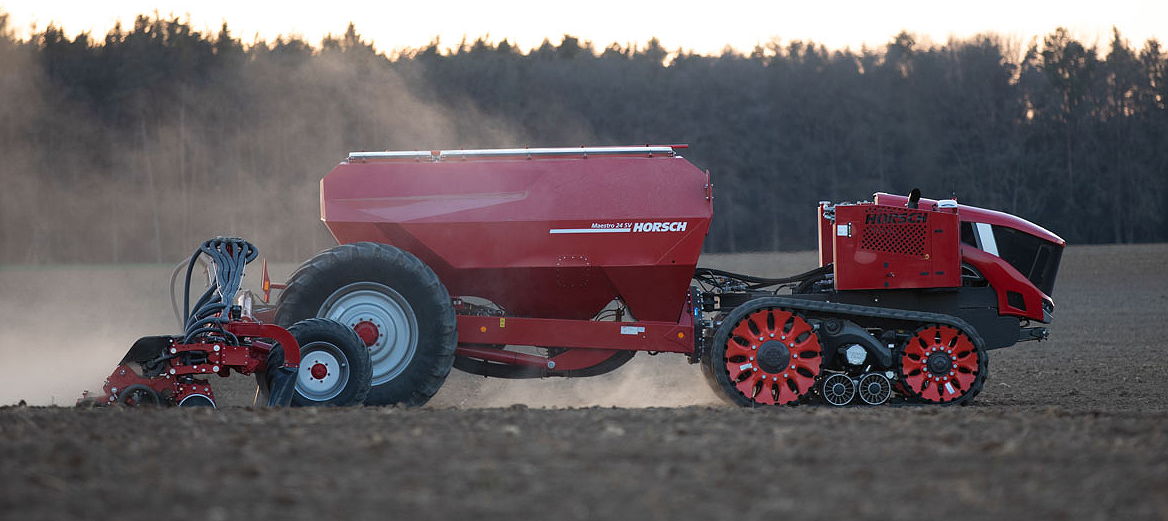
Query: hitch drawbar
[[1033, 333]]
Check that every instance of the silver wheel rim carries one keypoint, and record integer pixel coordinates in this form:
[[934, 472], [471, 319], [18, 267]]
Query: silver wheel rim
[[877, 398], [842, 397], [390, 312], [336, 372], [197, 400]]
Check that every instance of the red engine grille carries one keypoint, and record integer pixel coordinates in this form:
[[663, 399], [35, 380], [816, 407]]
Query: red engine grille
[[902, 238]]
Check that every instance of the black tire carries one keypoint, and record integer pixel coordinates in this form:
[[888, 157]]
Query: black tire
[[409, 365], [139, 395], [328, 343], [197, 400], [707, 367]]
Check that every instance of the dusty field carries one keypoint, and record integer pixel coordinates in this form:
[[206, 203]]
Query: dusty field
[[1075, 428]]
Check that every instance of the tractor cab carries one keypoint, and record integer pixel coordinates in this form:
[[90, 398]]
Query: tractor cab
[[1032, 252]]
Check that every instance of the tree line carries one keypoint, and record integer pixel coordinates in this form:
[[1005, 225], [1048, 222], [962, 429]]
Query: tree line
[[134, 146]]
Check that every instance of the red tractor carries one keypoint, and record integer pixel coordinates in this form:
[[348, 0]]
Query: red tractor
[[529, 263]]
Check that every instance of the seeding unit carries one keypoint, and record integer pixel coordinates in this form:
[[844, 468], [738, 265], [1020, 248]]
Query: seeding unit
[[565, 262], [312, 362]]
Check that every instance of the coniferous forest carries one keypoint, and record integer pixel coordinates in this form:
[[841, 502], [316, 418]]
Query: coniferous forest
[[134, 145]]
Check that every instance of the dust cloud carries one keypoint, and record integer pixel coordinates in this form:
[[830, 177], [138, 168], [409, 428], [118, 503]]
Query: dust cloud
[[64, 329], [87, 194], [665, 380]]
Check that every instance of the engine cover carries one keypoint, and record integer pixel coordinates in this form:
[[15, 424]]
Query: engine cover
[[888, 247]]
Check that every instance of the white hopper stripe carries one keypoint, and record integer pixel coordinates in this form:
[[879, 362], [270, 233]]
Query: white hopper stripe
[[590, 230]]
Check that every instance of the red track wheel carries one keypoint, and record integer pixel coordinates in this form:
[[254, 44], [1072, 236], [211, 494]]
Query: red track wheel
[[764, 356], [941, 364]]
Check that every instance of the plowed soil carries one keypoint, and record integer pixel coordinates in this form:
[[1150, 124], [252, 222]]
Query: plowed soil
[[1075, 428]]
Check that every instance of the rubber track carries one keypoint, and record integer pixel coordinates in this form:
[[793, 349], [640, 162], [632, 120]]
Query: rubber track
[[916, 317]]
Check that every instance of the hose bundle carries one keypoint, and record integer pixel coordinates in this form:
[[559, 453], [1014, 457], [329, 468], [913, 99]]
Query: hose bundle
[[723, 279], [228, 256]]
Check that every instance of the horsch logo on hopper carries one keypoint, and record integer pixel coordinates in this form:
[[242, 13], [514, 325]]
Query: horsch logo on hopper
[[675, 226]]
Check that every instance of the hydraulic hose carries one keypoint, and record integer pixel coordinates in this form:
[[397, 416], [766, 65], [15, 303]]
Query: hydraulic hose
[[228, 256], [701, 273]]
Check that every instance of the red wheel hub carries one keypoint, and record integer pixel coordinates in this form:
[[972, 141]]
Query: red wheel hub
[[368, 332], [939, 364], [773, 356], [319, 371]]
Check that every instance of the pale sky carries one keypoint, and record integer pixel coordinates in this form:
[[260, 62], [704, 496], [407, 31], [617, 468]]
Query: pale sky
[[704, 26]]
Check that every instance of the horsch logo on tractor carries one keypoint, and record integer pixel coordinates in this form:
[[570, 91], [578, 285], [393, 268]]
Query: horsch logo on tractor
[[896, 218]]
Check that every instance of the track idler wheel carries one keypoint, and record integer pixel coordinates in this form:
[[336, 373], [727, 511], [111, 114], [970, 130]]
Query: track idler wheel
[[764, 355], [941, 364], [874, 389], [837, 389]]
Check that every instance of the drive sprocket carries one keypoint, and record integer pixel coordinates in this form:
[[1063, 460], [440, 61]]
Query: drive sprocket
[[941, 364], [764, 355]]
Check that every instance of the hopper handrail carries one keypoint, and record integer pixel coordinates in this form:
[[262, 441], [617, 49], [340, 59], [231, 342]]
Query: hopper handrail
[[440, 155]]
